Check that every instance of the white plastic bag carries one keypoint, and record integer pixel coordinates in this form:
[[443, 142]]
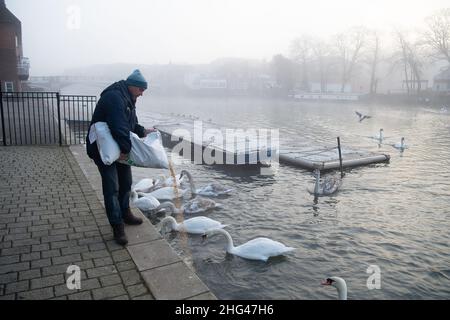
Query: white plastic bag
[[147, 152], [108, 148]]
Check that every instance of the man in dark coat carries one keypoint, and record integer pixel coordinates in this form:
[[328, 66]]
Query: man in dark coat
[[117, 107]]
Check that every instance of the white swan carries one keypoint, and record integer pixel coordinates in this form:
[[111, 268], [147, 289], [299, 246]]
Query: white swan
[[196, 225], [339, 284], [256, 249], [168, 182], [211, 190], [401, 145], [145, 185], [146, 203], [193, 206], [325, 188], [379, 136], [166, 193]]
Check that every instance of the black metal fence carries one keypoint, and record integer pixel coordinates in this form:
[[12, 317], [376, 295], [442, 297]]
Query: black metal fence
[[44, 118]]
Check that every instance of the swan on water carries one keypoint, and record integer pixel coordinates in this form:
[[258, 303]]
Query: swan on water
[[196, 225], [166, 193], [361, 116], [193, 206], [211, 190], [256, 249], [379, 136], [339, 284], [145, 185], [326, 187], [401, 145], [146, 203]]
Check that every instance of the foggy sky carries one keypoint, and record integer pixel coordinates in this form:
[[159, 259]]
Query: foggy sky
[[191, 31]]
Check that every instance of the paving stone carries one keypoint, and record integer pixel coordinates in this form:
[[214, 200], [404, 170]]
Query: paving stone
[[145, 297], [151, 255], [175, 281], [69, 259], [109, 292], [30, 256], [47, 281], [130, 277], [14, 267], [110, 280], [85, 295], [121, 255], [39, 294], [137, 290], [126, 265], [101, 271], [8, 277], [29, 274], [40, 263], [9, 259], [99, 262], [51, 253], [17, 287]]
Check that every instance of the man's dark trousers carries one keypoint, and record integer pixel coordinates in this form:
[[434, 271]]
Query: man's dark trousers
[[116, 181]]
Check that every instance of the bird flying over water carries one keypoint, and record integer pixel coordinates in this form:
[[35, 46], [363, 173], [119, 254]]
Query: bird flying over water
[[361, 116]]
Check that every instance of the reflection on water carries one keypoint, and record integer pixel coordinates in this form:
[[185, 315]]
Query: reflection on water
[[391, 215]]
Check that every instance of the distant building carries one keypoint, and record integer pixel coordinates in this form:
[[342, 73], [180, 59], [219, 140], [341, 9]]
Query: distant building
[[441, 82], [330, 88], [14, 67], [413, 85]]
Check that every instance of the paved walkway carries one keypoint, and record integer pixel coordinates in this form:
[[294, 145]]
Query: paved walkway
[[51, 217]]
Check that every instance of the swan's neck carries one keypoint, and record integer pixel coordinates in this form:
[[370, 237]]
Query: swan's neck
[[191, 181], [341, 288], [171, 221], [230, 245], [169, 205]]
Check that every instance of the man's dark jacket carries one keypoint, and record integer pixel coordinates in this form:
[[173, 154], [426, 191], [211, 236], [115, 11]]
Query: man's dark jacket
[[117, 109]]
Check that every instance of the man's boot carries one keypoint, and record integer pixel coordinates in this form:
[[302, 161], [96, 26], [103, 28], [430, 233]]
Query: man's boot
[[129, 218], [119, 234]]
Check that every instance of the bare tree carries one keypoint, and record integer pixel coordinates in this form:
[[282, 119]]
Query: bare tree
[[437, 37], [349, 46], [409, 57], [375, 48], [301, 52], [322, 52], [284, 72]]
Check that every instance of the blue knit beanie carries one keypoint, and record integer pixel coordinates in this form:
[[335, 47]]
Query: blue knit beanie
[[136, 79]]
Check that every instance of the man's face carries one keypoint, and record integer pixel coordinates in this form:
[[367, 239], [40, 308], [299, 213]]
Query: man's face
[[135, 92]]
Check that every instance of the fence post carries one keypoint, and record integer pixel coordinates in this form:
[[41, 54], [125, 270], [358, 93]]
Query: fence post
[[58, 104], [340, 156], [3, 118]]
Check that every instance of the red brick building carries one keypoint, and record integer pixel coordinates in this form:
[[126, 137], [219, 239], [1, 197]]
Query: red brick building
[[14, 67]]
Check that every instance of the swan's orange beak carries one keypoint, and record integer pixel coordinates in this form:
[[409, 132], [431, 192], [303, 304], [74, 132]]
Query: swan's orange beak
[[326, 282]]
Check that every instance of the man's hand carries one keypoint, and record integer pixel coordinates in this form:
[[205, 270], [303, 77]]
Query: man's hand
[[150, 130], [123, 156]]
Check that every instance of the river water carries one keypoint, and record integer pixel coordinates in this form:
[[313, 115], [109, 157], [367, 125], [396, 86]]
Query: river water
[[394, 216]]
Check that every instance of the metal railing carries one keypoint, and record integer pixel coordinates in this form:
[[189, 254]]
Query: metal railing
[[44, 118]]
